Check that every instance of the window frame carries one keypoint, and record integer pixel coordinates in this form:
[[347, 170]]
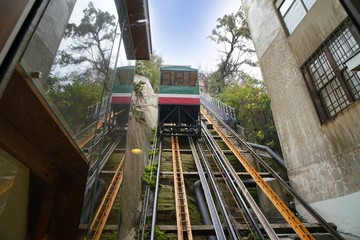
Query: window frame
[[326, 114], [280, 3]]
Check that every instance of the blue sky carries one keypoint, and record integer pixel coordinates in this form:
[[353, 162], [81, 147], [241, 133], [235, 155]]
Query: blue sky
[[180, 28]]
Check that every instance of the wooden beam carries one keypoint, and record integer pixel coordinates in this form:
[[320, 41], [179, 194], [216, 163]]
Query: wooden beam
[[14, 143], [34, 136], [29, 115]]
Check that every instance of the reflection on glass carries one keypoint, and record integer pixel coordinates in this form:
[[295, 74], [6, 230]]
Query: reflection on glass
[[121, 95], [77, 86], [294, 15], [285, 6], [14, 190], [309, 3], [89, 85]]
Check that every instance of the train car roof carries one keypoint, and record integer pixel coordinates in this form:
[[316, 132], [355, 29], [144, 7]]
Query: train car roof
[[126, 68], [178, 68]]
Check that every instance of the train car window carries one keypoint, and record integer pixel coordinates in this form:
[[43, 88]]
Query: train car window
[[166, 78], [179, 79], [125, 76], [192, 79]]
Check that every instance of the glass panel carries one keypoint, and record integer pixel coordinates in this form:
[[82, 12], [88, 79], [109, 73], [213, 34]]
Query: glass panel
[[179, 79], [321, 71], [294, 16], [166, 78], [353, 81], [192, 78], [339, 47], [77, 86], [334, 97], [285, 6], [14, 189], [309, 3], [343, 46]]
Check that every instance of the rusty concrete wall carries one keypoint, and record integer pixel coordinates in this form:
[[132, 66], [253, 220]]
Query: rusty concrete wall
[[138, 136], [323, 161]]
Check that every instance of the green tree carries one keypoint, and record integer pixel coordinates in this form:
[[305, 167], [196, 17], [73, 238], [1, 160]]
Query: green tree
[[91, 43], [252, 107], [81, 71], [150, 69], [73, 98], [235, 47]]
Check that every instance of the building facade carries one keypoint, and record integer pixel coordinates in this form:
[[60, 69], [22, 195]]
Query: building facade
[[304, 48]]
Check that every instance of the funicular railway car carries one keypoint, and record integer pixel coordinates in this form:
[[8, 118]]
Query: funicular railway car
[[179, 101], [121, 94]]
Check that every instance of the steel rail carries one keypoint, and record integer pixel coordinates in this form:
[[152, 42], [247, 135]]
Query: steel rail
[[144, 211], [103, 212], [231, 229], [207, 193], [254, 206], [294, 222], [297, 197], [156, 195], [231, 179], [182, 212]]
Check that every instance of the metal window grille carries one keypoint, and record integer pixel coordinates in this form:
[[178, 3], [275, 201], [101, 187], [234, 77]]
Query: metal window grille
[[332, 85]]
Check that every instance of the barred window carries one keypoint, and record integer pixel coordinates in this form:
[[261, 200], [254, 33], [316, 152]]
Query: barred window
[[333, 87]]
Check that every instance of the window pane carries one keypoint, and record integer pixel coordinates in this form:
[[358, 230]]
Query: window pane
[[166, 78], [353, 81], [294, 16], [285, 6], [309, 3], [321, 71], [334, 97], [179, 79], [343, 46], [335, 92]]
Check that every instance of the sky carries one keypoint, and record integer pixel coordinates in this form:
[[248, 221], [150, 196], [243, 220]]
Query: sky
[[179, 28]]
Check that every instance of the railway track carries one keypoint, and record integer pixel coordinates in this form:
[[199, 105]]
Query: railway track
[[290, 217], [233, 208], [182, 212]]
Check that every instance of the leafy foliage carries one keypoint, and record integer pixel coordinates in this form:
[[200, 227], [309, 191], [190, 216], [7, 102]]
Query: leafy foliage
[[233, 36], [91, 42], [252, 107], [73, 97], [82, 69], [148, 176], [150, 69], [138, 114]]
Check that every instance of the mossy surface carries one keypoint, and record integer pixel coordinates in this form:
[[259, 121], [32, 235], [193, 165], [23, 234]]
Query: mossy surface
[[166, 162], [222, 145], [166, 200], [188, 163], [235, 163]]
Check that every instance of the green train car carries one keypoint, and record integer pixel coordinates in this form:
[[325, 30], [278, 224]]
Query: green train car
[[179, 101]]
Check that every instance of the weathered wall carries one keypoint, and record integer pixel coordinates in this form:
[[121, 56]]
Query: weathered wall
[[137, 137], [323, 161]]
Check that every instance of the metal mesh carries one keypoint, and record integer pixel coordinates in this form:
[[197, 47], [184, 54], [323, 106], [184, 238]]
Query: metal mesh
[[337, 86]]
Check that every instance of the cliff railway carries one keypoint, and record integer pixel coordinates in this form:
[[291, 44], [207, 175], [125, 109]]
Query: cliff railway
[[218, 187]]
